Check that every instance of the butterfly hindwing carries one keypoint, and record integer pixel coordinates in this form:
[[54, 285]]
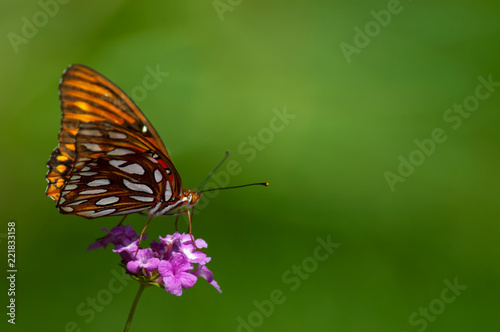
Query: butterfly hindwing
[[111, 185], [115, 173]]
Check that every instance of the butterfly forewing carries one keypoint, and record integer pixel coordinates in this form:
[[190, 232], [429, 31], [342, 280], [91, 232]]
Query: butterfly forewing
[[87, 96], [109, 160]]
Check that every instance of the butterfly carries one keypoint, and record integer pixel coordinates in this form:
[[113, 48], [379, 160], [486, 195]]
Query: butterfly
[[110, 160]]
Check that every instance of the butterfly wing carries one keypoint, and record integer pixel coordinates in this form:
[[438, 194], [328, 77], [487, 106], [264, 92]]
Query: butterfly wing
[[114, 174], [97, 119]]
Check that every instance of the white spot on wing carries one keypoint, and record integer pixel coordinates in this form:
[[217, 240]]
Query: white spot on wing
[[107, 200], [86, 213], [66, 208], [144, 129], [88, 173], [117, 163], [70, 187], [119, 152], [143, 198], [152, 159], [94, 214], [75, 178], [85, 169], [168, 192], [158, 176], [90, 132], [134, 169], [99, 182], [93, 192], [130, 169], [116, 135], [103, 213], [137, 186], [92, 147], [78, 202]]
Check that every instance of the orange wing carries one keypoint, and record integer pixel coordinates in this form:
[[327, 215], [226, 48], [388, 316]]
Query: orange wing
[[89, 98]]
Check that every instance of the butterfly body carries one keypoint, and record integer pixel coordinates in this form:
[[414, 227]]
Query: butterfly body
[[110, 160]]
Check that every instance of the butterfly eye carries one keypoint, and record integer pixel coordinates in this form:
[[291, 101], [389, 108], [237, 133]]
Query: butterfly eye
[[193, 198]]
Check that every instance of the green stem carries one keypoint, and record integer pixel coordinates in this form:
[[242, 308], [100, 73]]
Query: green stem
[[134, 306]]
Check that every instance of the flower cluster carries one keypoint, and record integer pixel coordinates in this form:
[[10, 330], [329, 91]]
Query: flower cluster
[[168, 263]]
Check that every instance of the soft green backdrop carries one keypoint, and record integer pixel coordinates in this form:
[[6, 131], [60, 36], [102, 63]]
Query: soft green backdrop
[[355, 116]]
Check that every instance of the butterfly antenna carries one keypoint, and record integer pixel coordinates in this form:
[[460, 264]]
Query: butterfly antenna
[[244, 185], [215, 169]]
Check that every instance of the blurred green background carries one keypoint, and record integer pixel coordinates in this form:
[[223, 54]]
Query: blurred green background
[[356, 101]]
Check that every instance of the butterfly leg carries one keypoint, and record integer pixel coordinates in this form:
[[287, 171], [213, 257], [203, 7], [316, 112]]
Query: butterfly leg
[[123, 219], [177, 218], [190, 224], [179, 212], [142, 233], [190, 229]]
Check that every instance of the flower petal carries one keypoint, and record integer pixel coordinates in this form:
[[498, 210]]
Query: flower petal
[[133, 266], [205, 273]]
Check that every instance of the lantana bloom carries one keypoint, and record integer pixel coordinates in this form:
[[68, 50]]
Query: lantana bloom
[[168, 263]]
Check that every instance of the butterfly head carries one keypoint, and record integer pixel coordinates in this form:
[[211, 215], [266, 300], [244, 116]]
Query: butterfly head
[[191, 196]]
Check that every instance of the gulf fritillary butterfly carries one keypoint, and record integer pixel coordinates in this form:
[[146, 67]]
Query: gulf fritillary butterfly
[[110, 160]]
